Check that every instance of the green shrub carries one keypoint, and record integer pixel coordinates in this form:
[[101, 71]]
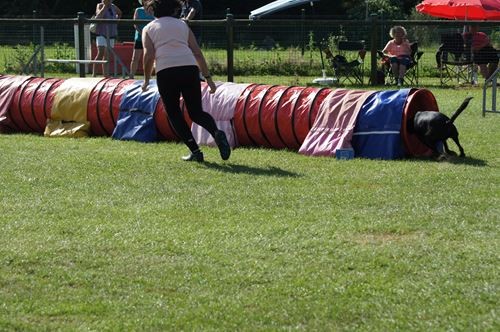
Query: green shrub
[[61, 51], [18, 61]]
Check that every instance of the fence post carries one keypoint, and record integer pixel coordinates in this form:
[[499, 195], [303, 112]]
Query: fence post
[[35, 64], [302, 23], [230, 46], [42, 51], [373, 48], [81, 42]]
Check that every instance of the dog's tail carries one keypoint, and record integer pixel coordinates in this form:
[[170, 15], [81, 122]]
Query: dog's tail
[[460, 109]]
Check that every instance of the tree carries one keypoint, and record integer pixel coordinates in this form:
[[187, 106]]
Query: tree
[[213, 8], [385, 9]]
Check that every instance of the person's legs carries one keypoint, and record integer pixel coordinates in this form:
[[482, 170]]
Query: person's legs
[[136, 55], [395, 68], [491, 68], [191, 91], [402, 71], [104, 66], [169, 89], [483, 69], [404, 62], [492, 58], [101, 51], [438, 56]]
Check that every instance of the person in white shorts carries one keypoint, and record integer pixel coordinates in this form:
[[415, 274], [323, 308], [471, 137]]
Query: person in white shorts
[[104, 31]]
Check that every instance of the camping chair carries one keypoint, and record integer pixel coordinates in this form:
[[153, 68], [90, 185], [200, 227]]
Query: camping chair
[[348, 64], [455, 59], [411, 75]]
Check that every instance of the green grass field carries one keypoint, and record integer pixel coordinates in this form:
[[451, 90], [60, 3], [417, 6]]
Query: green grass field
[[105, 235]]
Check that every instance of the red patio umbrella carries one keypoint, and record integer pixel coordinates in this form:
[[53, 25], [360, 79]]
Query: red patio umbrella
[[461, 9]]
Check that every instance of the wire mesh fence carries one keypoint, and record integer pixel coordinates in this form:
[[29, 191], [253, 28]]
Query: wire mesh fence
[[284, 52]]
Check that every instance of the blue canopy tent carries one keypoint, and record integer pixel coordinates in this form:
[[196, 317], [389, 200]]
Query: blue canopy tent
[[277, 6]]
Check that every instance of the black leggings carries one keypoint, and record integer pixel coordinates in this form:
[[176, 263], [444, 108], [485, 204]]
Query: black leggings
[[185, 80]]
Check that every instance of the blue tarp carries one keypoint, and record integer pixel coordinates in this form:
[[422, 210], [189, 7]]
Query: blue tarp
[[377, 134], [136, 118]]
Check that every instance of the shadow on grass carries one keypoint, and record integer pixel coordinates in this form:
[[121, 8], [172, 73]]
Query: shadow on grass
[[457, 160], [238, 169], [468, 161]]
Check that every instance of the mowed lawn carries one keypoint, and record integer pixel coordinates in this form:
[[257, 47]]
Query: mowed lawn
[[104, 235]]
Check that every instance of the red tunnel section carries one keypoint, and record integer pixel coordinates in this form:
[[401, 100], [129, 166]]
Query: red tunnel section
[[276, 116], [104, 105], [418, 100], [32, 104]]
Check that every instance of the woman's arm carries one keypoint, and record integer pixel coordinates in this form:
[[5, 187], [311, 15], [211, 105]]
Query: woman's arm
[[148, 58], [100, 9], [200, 59], [191, 14], [136, 14], [387, 48]]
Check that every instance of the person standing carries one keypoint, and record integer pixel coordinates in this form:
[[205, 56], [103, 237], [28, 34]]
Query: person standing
[[139, 14], [171, 46], [105, 31], [193, 10], [399, 51]]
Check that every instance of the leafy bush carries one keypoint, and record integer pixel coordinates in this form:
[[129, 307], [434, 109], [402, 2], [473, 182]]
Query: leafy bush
[[61, 51], [18, 61]]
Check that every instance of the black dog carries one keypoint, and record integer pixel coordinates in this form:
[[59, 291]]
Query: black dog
[[433, 128]]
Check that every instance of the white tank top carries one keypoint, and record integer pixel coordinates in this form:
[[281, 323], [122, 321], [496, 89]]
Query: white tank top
[[170, 39]]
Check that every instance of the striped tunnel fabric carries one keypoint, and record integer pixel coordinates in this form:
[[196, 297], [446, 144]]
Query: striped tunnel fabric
[[269, 116]]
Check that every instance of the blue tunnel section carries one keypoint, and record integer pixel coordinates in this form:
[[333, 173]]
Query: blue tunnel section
[[378, 127]]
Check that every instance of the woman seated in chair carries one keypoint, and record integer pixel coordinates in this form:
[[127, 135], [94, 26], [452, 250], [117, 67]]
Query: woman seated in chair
[[484, 54], [399, 52]]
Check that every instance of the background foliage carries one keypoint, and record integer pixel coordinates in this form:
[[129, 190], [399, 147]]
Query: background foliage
[[215, 8]]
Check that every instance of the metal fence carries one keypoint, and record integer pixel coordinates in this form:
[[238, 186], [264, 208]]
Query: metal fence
[[285, 52]]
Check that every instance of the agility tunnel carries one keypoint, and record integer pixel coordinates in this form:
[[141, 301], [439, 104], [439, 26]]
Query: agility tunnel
[[313, 121]]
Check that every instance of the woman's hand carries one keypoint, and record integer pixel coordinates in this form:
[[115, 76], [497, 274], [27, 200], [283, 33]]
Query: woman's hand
[[211, 85]]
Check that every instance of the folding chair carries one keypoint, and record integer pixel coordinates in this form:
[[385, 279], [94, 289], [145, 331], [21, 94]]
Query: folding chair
[[348, 64], [411, 75], [455, 59]]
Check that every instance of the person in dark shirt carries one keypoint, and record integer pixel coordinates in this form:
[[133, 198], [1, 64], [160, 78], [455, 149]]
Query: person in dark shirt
[[484, 54], [193, 10]]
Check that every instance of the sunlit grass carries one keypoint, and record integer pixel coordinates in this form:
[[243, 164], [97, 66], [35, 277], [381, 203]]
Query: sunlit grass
[[97, 234]]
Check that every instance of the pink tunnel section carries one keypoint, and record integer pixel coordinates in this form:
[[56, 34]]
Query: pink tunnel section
[[265, 115]]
